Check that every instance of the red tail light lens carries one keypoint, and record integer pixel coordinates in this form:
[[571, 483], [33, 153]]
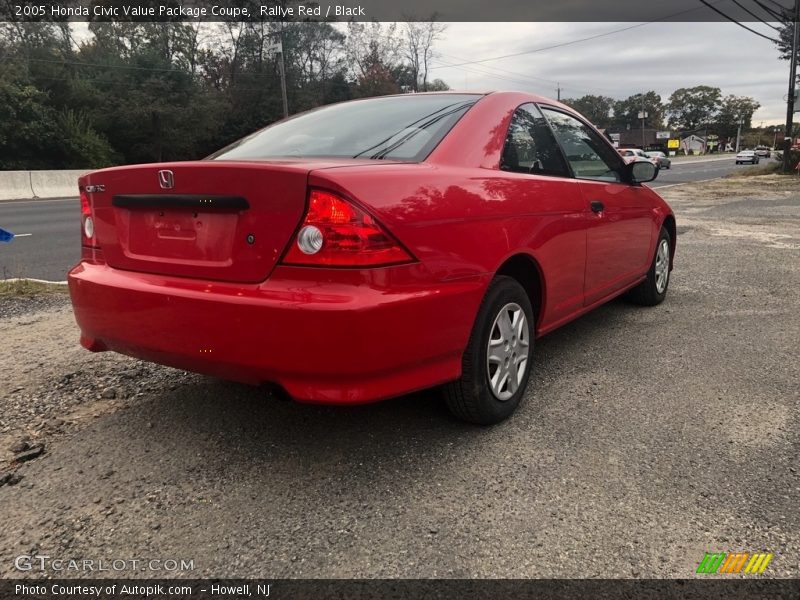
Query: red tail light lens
[[87, 222], [338, 234]]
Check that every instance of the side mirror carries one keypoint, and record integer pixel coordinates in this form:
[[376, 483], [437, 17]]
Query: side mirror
[[641, 171]]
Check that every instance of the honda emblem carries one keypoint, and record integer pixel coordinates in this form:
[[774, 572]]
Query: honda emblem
[[166, 179]]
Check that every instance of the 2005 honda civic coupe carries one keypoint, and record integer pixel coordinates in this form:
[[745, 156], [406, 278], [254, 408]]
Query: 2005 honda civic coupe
[[368, 249]]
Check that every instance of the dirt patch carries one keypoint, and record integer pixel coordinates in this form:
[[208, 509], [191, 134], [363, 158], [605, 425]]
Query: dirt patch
[[753, 210], [51, 382]]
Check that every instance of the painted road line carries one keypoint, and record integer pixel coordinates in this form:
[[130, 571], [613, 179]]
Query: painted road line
[[15, 279], [49, 201], [16, 235], [658, 187]]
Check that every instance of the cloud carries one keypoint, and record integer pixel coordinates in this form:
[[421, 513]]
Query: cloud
[[655, 56]]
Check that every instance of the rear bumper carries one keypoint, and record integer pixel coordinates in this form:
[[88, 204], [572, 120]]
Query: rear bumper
[[342, 337]]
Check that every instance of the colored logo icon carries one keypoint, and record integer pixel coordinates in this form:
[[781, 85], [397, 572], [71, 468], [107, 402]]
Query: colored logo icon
[[721, 562]]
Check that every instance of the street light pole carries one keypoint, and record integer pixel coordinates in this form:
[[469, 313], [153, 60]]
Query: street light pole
[[738, 133], [788, 134], [643, 115]]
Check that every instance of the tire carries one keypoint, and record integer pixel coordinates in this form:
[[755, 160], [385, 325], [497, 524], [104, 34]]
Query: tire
[[653, 289], [473, 398]]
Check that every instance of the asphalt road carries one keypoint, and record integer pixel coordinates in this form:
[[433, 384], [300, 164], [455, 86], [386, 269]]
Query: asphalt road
[[53, 244], [699, 170], [49, 238], [648, 437]]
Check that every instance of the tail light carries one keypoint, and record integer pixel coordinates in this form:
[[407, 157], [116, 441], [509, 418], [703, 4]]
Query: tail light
[[87, 221], [336, 233]]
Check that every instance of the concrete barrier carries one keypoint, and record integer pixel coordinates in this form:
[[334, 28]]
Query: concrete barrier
[[16, 185], [55, 184]]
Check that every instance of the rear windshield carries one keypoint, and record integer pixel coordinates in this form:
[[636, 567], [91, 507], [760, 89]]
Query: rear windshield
[[395, 127]]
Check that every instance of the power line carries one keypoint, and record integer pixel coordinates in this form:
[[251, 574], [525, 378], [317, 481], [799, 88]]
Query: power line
[[749, 12], [732, 20], [779, 5], [526, 76], [561, 45], [771, 11], [578, 41], [497, 76]]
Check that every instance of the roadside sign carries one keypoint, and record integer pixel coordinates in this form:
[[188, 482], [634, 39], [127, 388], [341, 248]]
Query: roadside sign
[[662, 135], [673, 143]]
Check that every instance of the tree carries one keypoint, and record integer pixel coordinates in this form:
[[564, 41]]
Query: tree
[[786, 35], [692, 108], [595, 108], [145, 91], [732, 110], [438, 85], [626, 112], [373, 53], [419, 40]]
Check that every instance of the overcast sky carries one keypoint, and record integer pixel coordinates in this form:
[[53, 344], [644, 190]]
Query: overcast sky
[[655, 56]]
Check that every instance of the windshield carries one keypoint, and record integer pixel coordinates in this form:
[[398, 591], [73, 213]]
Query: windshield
[[394, 127]]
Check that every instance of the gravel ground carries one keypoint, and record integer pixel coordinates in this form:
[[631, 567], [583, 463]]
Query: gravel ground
[[649, 437]]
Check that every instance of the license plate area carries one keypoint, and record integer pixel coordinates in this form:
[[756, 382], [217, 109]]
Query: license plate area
[[180, 235]]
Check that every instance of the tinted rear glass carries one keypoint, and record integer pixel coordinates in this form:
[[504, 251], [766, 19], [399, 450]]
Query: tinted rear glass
[[397, 127]]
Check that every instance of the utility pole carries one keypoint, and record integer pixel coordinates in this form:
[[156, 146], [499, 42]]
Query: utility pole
[[738, 133], [282, 66], [789, 134], [558, 91]]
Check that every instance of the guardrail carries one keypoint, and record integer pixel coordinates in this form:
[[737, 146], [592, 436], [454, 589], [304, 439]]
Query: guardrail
[[17, 185]]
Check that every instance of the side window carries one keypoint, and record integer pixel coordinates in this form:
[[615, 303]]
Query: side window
[[588, 155], [530, 146]]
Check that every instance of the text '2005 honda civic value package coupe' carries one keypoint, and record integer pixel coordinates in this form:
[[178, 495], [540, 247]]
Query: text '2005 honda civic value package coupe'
[[368, 249]]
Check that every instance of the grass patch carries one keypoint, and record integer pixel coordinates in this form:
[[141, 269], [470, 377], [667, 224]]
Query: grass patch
[[773, 168], [26, 288]]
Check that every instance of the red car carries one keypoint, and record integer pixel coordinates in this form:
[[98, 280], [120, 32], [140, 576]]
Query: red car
[[368, 249]]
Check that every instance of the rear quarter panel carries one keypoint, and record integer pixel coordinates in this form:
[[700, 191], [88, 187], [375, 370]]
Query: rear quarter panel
[[465, 222]]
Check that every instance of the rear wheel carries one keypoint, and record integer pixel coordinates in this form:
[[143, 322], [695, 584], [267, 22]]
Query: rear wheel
[[496, 365], [653, 289]]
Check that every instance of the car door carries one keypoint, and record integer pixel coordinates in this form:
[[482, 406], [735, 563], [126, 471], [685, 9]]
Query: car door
[[620, 221], [551, 201]]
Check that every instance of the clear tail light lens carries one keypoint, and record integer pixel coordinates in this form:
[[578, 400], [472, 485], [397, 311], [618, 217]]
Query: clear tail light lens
[[87, 222], [336, 233]]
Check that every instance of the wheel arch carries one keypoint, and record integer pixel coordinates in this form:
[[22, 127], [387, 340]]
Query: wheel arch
[[671, 227], [528, 273]]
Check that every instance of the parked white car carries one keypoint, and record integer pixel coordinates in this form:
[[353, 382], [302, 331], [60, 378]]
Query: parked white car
[[747, 156]]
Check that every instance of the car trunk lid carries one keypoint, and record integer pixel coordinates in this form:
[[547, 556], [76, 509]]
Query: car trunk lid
[[217, 220]]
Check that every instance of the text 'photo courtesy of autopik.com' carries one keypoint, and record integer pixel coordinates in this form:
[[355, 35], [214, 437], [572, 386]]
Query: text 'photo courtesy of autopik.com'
[[399, 300]]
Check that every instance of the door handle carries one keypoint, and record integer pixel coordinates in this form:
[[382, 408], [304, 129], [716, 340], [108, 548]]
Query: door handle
[[597, 206]]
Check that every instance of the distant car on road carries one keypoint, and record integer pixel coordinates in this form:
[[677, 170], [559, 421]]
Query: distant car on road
[[763, 151], [663, 160], [635, 154], [747, 156]]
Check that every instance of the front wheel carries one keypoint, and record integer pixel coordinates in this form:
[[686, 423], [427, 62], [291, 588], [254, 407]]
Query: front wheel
[[653, 289], [496, 364]]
